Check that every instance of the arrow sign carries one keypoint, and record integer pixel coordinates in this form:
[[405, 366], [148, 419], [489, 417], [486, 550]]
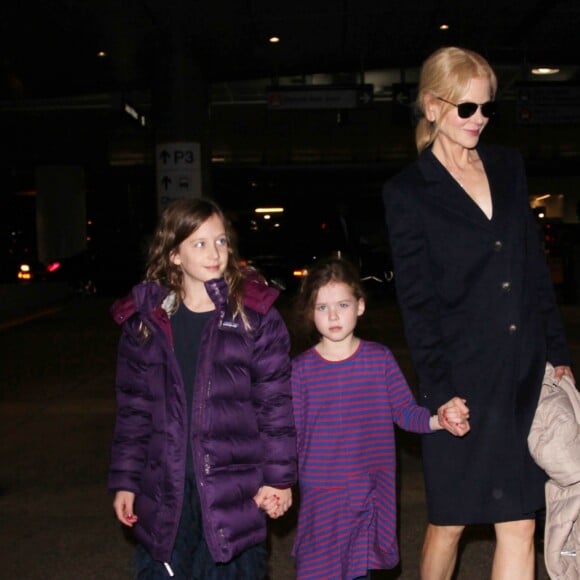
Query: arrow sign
[[365, 98], [178, 171], [320, 97], [166, 182]]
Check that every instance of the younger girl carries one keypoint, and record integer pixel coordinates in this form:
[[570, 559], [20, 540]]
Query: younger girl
[[347, 394], [204, 435]]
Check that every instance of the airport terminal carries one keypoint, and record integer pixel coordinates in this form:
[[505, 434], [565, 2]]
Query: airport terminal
[[291, 116]]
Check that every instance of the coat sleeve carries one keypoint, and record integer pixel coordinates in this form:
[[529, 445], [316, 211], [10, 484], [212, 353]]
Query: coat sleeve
[[557, 349], [416, 296], [133, 420], [273, 400]]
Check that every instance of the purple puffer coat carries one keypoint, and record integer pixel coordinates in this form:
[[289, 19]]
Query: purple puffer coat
[[242, 425]]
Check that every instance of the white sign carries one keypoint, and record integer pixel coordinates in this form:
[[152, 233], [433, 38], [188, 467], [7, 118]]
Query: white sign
[[320, 97], [178, 168], [556, 104]]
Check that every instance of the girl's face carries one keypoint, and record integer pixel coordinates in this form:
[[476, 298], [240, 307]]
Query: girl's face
[[336, 311], [452, 128], [204, 254]]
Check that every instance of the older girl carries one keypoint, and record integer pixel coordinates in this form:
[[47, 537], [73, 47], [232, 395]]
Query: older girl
[[204, 435]]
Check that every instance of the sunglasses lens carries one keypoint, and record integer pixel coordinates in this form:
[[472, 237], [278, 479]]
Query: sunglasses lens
[[466, 110], [489, 109]]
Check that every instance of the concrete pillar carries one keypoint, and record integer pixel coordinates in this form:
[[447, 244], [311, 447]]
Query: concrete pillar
[[180, 109], [61, 220]]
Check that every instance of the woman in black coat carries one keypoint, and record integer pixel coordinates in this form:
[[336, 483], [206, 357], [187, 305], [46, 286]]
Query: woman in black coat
[[480, 314]]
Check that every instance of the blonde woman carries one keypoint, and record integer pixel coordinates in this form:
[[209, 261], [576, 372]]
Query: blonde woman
[[480, 314]]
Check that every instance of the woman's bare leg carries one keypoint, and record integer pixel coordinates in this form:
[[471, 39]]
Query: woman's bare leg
[[514, 551], [439, 554]]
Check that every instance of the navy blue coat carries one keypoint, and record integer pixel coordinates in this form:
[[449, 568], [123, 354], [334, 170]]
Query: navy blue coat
[[481, 320], [242, 428]]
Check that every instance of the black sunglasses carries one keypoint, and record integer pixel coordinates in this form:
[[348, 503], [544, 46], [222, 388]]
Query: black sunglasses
[[466, 110]]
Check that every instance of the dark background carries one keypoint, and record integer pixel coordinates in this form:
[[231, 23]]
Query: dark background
[[62, 104]]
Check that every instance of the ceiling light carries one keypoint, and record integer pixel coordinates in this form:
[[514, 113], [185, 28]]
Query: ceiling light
[[274, 39], [269, 210], [545, 70], [444, 27], [101, 54]]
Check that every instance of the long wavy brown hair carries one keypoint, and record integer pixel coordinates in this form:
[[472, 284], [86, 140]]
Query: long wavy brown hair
[[178, 221]]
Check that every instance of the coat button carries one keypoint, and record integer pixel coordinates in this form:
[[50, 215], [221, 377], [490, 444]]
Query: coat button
[[497, 246], [506, 286], [512, 328]]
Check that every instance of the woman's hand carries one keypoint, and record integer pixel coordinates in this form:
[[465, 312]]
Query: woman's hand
[[454, 417], [560, 371], [123, 506]]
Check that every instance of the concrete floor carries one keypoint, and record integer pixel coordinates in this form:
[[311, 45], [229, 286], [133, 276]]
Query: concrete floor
[[56, 419]]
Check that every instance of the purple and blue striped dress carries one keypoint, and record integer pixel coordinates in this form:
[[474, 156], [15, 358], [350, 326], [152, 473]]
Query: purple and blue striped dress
[[345, 412]]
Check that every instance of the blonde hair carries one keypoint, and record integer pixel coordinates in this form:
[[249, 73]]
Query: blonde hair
[[446, 73]]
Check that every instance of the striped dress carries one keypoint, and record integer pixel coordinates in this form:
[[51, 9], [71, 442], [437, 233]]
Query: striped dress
[[345, 413]]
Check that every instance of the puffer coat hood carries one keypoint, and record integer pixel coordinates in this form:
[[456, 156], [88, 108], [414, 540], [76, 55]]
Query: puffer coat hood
[[241, 430]]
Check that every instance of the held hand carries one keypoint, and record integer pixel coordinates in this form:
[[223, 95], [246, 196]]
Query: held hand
[[454, 417], [275, 502], [560, 371], [123, 506]]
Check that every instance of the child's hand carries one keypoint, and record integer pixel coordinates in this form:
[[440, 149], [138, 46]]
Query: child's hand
[[123, 506], [454, 417], [275, 502]]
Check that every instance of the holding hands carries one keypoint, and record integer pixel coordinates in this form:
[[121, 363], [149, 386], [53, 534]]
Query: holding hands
[[275, 502], [453, 416]]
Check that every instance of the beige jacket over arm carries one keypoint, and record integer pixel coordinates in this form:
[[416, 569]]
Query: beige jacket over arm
[[554, 443]]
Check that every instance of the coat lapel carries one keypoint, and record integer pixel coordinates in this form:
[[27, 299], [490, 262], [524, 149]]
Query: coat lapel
[[501, 183], [445, 191]]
